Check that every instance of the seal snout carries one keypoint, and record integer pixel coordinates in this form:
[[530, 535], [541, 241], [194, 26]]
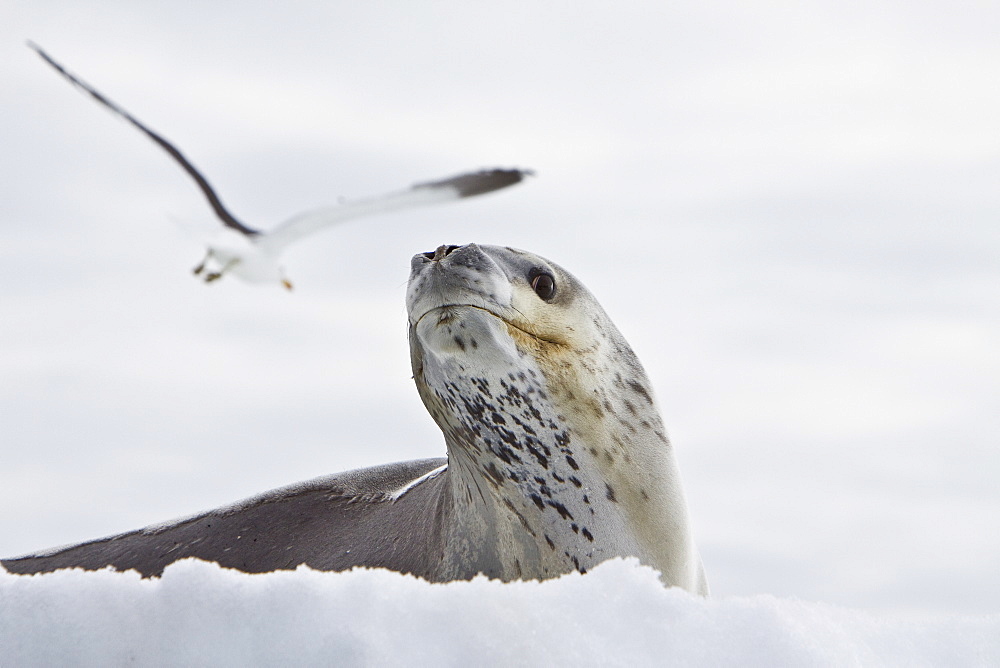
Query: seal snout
[[453, 276]]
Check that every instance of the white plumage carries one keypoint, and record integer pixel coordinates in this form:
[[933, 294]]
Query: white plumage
[[252, 254]]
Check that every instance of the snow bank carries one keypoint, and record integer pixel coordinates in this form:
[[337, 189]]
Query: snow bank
[[200, 614]]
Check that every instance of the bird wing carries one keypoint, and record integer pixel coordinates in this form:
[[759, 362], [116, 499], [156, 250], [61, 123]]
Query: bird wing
[[223, 214], [464, 185]]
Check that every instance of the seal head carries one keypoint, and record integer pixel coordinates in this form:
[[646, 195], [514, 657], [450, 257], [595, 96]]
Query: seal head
[[558, 459]]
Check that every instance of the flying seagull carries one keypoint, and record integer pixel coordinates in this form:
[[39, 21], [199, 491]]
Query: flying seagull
[[252, 254]]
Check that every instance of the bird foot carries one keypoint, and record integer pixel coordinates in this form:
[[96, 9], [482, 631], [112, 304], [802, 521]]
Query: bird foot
[[201, 267]]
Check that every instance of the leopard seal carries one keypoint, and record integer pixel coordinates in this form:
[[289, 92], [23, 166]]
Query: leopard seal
[[557, 456]]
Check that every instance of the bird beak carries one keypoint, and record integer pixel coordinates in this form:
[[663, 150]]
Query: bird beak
[[287, 283]]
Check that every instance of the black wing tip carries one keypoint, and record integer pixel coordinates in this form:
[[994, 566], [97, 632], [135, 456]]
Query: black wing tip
[[481, 182], [43, 54], [221, 212]]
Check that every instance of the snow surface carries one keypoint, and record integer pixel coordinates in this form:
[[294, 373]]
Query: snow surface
[[619, 614], [788, 209]]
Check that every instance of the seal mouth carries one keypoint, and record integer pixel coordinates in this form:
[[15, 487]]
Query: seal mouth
[[490, 311]]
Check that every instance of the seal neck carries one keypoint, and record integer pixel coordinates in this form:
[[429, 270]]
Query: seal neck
[[539, 489]]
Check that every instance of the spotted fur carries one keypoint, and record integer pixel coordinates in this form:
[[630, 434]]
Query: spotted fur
[[557, 454]]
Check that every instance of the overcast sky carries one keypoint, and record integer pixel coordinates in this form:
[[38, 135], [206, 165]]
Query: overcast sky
[[789, 209]]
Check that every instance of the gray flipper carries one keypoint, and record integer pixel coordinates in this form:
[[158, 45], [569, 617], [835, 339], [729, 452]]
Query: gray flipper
[[369, 517]]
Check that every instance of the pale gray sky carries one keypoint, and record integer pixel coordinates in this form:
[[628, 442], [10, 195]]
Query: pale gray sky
[[790, 209]]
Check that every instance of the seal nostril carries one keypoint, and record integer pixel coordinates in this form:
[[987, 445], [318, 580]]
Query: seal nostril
[[429, 255], [441, 252]]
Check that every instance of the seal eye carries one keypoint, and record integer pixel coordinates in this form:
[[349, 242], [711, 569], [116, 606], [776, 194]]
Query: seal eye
[[544, 285]]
